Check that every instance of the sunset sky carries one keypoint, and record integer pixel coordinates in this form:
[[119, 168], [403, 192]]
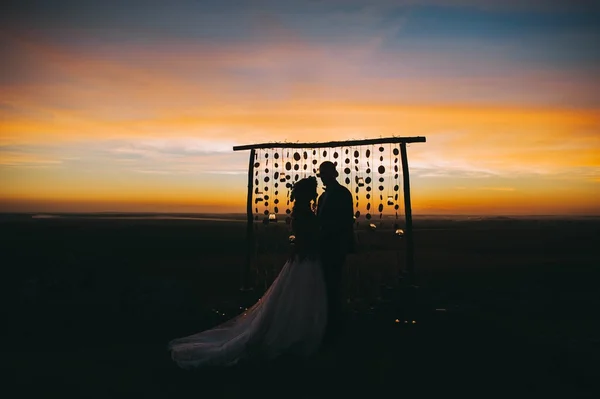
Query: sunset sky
[[136, 105]]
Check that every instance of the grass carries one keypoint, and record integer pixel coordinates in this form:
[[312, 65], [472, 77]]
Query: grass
[[90, 306]]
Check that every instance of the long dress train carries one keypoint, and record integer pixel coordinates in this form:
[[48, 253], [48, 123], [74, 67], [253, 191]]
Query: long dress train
[[289, 318]]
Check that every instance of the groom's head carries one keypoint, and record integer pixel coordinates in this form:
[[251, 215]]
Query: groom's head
[[327, 173]]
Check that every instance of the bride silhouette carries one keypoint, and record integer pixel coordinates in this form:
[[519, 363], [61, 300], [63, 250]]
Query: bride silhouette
[[291, 316]]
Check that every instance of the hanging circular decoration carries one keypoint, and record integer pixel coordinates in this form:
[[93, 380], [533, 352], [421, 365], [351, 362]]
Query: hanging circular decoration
[[288, 211], [358, 176], [266, 212]]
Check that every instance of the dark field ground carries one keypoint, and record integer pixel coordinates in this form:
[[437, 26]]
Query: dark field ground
[[90, 304]]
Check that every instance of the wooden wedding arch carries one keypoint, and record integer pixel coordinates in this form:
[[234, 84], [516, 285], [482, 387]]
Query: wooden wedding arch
[[274, 167]]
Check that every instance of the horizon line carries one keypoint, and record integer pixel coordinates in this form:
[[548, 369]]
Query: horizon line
[[400, 216]]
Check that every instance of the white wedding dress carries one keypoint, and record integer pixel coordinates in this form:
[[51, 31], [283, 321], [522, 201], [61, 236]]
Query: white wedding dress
[[289, 318]]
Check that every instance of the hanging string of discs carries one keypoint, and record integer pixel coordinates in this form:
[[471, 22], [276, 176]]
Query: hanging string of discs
[[381, 170], [373, 182]]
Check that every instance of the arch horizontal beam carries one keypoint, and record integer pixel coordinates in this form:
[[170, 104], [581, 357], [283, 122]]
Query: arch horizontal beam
[[330, 144]]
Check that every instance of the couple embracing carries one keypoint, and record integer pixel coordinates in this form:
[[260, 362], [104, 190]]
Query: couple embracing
[[301, 312]]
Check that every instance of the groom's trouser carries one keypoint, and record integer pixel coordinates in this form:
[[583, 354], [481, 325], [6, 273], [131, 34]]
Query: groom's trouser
[[333, 264]]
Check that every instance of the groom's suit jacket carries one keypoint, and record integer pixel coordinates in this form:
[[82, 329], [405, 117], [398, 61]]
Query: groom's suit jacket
[[336, 219]]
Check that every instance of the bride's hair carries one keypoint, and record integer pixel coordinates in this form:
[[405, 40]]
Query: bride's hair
[[303, 192], [304, 189]]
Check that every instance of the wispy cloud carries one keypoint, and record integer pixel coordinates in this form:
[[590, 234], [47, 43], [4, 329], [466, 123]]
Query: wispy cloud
[[497, 188]]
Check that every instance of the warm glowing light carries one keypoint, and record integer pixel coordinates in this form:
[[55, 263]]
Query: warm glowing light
[[397, 321]]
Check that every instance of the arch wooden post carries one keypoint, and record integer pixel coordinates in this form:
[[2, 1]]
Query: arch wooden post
[[249, 225], [410, 261]]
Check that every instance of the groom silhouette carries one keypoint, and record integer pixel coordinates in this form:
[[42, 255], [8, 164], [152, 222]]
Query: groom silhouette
[[336, 219]]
